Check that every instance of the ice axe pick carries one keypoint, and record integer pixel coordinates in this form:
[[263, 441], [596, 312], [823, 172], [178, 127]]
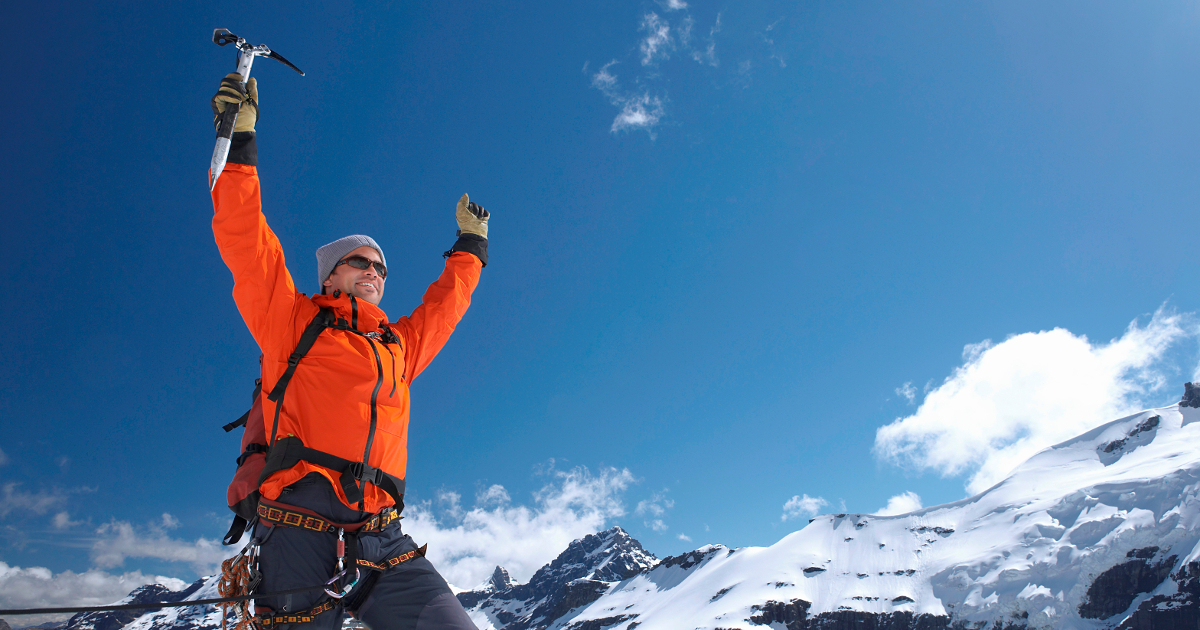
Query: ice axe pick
[[246, 55]]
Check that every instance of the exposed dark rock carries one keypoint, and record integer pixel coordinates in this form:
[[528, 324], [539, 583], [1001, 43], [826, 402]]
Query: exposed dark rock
[[940, 531], [1149, 424], [1144, 553], [1114, 590], [721, 593], [856, 620], [811, 571], [4, 625], [576, 594], [116, 619], [903, 599], [601, 624], [1191, 396], [1178, 611], [791, 614], [501, 580], [689, 559]]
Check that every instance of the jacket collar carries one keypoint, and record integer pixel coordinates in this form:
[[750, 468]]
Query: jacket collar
[[369, 316]]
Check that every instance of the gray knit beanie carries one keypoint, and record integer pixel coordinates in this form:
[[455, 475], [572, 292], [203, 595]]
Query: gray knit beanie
[[329, 255]]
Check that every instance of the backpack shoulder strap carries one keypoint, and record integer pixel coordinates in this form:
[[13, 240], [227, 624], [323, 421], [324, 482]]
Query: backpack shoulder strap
[[307, 339]]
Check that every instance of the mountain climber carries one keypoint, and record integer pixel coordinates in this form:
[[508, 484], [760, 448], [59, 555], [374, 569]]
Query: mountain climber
[[338, 372]]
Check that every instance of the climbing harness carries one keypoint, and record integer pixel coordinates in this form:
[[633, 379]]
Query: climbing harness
[[350, 586], [272, 513]]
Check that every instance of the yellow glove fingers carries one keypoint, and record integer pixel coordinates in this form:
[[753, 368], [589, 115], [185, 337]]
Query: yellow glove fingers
[[232, 91], [471, 217]]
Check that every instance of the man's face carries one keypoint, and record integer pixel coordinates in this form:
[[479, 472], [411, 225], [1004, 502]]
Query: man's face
[[361, 283]]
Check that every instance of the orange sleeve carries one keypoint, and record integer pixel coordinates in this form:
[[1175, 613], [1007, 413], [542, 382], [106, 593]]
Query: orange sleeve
[[443, 306], [262, 287]]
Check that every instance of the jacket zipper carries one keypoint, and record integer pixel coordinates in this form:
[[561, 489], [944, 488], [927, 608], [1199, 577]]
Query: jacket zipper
[[374, 397]]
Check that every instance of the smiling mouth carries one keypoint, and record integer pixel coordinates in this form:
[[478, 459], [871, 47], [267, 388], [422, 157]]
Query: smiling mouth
[[365, 284]]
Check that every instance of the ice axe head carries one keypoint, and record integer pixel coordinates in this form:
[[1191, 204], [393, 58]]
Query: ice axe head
[[222, 36]]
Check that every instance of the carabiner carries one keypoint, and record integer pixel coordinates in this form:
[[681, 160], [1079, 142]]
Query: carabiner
[[346, 589]]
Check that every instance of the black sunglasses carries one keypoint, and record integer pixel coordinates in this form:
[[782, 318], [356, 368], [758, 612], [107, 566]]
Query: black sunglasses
[[360, 262]]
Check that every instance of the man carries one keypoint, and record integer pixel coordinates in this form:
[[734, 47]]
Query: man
[[335, 378]]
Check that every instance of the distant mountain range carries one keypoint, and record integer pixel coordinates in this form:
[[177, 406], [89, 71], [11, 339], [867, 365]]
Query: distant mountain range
[[1101, 531]]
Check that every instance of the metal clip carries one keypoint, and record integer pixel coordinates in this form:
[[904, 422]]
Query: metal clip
[[333, 580]]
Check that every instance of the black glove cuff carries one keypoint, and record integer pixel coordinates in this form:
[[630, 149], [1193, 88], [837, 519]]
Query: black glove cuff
[[243, 149], [472, 244]]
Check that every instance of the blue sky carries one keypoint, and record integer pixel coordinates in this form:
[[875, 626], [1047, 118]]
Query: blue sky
[[730, 244]]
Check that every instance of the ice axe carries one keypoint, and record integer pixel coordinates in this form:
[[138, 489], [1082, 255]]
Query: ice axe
[[246, 55]]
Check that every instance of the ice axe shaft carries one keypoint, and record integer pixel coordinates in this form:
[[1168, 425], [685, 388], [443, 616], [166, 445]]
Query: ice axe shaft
[[246, 55]]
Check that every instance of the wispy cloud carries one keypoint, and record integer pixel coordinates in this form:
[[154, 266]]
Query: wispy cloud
[[643, 107], [709, 54], [638, 110], [908, 392], [118, 540], [17, 500], [901, 504], [684, 538], [1007, 401], [768, 38], [3, 458], [62, 520], [38, 587], [653, 509], [467, 545], [802, 506], [657, 42]]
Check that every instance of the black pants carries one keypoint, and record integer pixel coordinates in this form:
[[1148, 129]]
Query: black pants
[[410, 596]]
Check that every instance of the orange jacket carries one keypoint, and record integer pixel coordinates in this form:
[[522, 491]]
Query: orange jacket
[[328, 403]]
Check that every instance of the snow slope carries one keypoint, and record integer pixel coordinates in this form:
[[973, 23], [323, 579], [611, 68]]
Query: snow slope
[[1055, 545]]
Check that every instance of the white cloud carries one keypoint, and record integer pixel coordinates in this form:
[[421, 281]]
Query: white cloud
[[467, 545], [62, 520], [3, 458], [38, 502], [38, 587], [901, 504], [1010, 400], [799, 506], [638, 111], [908, 392], [684, 538], [656, 506], [672, 5], [119, 540], [658, 40], [642, 111]]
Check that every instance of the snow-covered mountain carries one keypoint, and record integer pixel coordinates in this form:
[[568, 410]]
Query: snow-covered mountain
[[1101, 531], [1097, 532]]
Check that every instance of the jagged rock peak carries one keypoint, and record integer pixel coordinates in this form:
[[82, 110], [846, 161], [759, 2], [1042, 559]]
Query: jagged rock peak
[[501, 581], [1191, 396], [116, 619], [611, 556]]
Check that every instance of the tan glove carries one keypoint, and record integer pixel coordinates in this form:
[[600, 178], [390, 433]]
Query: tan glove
[[472, 218], [232, 92]]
